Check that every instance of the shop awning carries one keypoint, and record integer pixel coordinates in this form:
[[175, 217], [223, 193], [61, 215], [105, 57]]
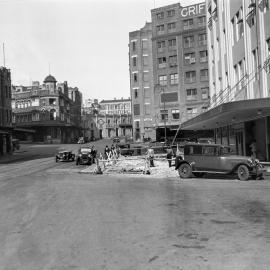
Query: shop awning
[[229, 113]]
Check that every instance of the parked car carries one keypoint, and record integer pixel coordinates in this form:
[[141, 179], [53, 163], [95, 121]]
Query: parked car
[[84, 156], [81, 140], [65, 156], [116, 140], [214, 158], [15, 144]]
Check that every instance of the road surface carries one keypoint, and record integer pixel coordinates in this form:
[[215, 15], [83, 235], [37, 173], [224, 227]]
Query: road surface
[[55, 218]]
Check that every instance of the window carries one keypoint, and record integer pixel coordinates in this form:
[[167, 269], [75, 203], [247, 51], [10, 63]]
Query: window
[[52, 101], [147, 109], [161, 45], [52, 114], [175, 114], [205, 92], [162, 79], [134, 61], [202, 39], [268, 45], [160, 29], [189, 42], [145, 76], [204, 74], [202, 21], [164, 114], [174, 78], [191, 94], [172, 43], [145, 60], [171, 13], [160, 15], [191, 112], [171, 26], [136, 94], [173, 61], [189, 58], [190, 76], [144, 44], [162, 62], [203, 56], [146, 93], [135, 77], [133, 46], [136, 109], [188, 24], [240, 25]]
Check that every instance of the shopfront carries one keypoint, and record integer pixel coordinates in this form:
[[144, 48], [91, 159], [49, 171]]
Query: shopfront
[[240, 125]]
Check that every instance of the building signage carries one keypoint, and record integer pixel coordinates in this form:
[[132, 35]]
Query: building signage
[[193, 10]]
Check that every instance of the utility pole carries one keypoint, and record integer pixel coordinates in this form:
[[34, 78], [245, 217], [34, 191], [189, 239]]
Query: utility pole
[[165, 129]]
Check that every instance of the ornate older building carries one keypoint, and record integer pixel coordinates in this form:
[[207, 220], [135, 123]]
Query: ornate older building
[[52, 110], [5, 111]]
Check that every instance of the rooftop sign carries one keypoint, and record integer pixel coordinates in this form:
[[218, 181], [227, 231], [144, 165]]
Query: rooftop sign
[[193, 10]]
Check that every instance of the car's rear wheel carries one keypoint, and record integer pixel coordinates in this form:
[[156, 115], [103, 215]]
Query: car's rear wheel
[[184, 170], [243, 173]]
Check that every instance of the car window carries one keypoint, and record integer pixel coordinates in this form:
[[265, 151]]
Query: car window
[[193, 150], [225, 151], [85, 150], [210, 151]]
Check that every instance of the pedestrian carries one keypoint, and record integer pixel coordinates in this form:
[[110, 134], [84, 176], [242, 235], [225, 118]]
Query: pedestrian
[[253, 148], [107, 151], [169, 156], [150, 156], [93, 153]]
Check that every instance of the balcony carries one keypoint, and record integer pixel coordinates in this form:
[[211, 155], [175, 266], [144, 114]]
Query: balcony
[[210, 23]]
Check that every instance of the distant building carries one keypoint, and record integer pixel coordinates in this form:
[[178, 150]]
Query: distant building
[[5, 112], [52, 110], [141, 82], [114, 118]]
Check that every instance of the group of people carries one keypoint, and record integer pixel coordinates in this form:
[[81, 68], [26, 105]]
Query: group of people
[[114, 150]]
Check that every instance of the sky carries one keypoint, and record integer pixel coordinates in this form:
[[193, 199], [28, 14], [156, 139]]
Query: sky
[[83, 42]]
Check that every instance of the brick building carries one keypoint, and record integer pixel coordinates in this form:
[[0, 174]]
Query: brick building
[[52, 110], [5, 112], [176, 44]]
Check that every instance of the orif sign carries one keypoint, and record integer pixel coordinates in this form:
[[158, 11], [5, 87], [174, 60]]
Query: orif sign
[[193, 10]]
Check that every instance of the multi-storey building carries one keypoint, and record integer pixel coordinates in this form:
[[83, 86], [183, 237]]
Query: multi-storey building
[[239, 60], [5, 112], [51, 110], [141, 82], [114, 118], [180, 65]]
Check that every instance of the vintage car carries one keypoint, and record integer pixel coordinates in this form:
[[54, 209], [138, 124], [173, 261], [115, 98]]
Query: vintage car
[[214, 158], [116, 140], [81, 140], [65, 156], [84, 156]]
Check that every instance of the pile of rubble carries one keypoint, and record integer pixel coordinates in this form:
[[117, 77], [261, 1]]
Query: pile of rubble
[[134, 166]]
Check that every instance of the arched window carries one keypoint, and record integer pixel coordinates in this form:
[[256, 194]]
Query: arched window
[[52, 114]]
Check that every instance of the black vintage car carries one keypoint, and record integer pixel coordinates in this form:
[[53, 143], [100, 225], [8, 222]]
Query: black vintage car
[[65, 156], [85, 156]]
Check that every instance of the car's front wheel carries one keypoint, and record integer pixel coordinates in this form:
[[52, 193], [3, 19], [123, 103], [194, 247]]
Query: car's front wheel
[[243, 173], [184, 170]]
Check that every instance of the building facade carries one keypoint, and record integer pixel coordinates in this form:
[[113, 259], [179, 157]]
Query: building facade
[[180, 65], [141, 82], [239, 49], [51, 110], [114, 118], [5, 112], [177, 84]]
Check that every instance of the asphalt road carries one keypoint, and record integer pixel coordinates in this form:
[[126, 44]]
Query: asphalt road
[[55, 218]]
